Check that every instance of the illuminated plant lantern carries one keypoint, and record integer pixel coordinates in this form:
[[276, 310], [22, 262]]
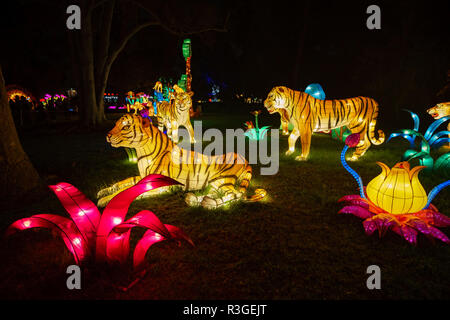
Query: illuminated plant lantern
[[187, 54], [106, 237], [226, 177], [316, 91], [182, 83], [309, 115], [427, 142], [255, 132], [395, 200], [131, 153]]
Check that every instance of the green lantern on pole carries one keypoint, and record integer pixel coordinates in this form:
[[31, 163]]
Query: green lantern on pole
[[187, 51], [182, 83]]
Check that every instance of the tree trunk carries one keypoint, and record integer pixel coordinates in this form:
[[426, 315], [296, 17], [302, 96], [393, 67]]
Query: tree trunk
[[91, 112], [17, 174]]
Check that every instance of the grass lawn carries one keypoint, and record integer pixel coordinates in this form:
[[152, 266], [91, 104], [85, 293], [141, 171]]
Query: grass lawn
[[291, 245]]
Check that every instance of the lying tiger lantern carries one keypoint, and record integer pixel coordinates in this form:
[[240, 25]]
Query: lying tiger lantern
[[157, 154], [176, 113], [439, 111], [308, 114]]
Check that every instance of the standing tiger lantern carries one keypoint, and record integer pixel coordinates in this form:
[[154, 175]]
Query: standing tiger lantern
[[175, 113], [157, 154], [308, 114]]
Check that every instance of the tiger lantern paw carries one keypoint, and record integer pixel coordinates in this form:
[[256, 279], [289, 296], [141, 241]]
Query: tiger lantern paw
[[209, 203], [353, 158], [301, 158], [289, 152], [192, 200], [105, 192], [102, 202]]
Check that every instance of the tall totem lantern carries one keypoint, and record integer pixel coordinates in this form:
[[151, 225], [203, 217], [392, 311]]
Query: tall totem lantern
[[187, 54]]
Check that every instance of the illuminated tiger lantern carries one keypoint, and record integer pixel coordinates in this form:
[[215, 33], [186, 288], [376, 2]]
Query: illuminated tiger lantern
[[439, 111], [308, 114], [157, 154], [176, 113], [158, 86]]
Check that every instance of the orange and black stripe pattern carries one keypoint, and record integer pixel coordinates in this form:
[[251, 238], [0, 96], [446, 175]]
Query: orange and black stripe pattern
[[309, 115], [157, 154], [176, 113]]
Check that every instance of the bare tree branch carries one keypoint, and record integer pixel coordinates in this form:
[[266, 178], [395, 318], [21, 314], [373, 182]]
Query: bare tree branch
[[104, 39], [180, 32]]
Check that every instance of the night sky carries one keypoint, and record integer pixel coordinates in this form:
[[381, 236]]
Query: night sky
[[268, 43]]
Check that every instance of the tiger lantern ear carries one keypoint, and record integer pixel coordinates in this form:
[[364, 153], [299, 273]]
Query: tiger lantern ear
[[190, 93]]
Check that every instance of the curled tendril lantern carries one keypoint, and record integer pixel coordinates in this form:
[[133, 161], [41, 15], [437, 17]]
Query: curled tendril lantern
[[395, 200], [427, 141], [106, 237]]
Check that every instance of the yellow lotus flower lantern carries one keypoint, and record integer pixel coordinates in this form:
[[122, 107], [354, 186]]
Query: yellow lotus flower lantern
[[395, 200], [397, 190]]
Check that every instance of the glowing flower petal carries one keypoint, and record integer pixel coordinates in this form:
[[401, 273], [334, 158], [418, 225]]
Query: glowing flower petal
[[150, 238], [357, 211], [83, 211], [65, 227], [353, 140], [118, 208], [369, 226], [118, 247]]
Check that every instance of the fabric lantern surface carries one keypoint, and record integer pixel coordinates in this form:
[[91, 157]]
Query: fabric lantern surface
[[158, 154], [308, 115], [315, 90], [397, 190], [395, 201], [105, 237], [186, 48]]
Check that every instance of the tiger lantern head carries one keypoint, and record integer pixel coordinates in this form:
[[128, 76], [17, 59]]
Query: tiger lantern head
[[129, 132], [440, 110], [183, 99], [275, 100]]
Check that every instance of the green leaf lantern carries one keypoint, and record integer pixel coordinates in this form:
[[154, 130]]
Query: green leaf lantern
[[187, 51], [182, 82]]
